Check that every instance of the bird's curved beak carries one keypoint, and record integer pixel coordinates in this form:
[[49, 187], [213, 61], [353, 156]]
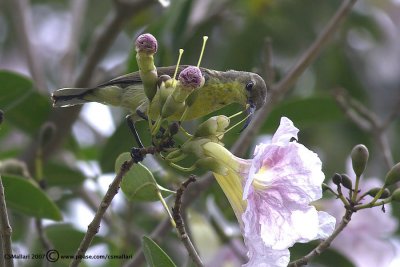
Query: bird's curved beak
[[250, 109]]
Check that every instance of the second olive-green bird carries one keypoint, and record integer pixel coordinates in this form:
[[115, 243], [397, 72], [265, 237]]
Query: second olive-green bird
[[220, 89]]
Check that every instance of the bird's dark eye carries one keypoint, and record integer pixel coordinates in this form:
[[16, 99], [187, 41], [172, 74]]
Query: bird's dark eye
[[249, 86]]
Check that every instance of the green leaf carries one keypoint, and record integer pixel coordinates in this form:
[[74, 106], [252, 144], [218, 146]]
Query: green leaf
[[66, 238], [304, 112], [24, 107], [155, 256], [62, 175], [139, 184], [13, 85], [23, 196]]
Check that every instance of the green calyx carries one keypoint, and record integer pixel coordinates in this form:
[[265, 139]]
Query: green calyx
[[210, 164], [148, 74], [213, 126], [176, 99], [195, 146]]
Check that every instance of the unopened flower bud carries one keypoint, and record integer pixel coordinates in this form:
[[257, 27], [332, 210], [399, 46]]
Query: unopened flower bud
[[162, 79], [374, 191], [393, 176], [191, 77], [337, 179], [222, 122], [213, 126], [359, 158], [396, 195], [146, 47], [346, 181], [146, 43]]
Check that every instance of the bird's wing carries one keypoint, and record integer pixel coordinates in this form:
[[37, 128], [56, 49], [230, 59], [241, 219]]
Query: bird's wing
[[134, 77]]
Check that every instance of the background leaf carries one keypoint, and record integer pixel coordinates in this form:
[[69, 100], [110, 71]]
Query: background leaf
[[305, 112], [66, 238], [155, 256], [24, 107], [22, 196]]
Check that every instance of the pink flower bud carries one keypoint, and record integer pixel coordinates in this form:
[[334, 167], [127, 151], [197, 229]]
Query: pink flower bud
[[146, 43], [191, 77]]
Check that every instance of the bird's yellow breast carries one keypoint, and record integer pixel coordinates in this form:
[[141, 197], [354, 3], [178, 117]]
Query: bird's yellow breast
[[211, 97]]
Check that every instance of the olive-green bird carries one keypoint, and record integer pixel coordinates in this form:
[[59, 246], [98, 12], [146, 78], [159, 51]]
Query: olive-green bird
[[220, 89]]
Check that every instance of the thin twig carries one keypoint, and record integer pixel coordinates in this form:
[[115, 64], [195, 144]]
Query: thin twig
[[94, 226], [89, 199], [5, 230], [24, 24], [138, 154], [324, 245], [342, 99], [383, 143], [43, 239], [268, 66], [393, 115], [68, 62], [367, 121], [242, 144], [313, 51], [180, 225]]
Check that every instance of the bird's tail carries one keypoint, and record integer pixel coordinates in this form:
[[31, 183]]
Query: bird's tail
[[66, 97]]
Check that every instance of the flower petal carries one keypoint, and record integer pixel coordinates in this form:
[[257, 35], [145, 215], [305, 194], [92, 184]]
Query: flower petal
[[326, 224], [260, 256], [285, 132], [287, 178]]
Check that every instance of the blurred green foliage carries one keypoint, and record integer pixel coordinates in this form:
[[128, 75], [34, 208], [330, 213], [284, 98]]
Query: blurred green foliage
[[237, 31]]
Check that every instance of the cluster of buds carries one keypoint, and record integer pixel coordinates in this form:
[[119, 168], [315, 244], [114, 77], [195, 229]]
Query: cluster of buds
[[205, 141], [359, 158], [190, 79], [173, 97]]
